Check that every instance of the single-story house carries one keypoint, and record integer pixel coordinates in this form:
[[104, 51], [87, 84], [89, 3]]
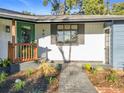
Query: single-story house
[[74, 38]]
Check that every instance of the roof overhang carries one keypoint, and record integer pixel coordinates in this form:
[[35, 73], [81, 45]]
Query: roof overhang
[[60, 18]]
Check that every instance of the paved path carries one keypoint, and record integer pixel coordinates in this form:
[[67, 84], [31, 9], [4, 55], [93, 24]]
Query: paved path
[[74, 80]]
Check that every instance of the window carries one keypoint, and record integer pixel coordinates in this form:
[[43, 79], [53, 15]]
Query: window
[[67, 34]]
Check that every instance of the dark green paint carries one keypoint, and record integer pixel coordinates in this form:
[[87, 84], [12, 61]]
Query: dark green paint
[[20, 25]]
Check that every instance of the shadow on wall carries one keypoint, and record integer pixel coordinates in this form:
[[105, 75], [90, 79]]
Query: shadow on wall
[[62, 53], [44, 41], [44, 36]]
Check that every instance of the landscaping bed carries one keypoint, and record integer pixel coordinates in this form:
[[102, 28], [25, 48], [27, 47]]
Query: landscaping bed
[[107, 80], [43, 80]]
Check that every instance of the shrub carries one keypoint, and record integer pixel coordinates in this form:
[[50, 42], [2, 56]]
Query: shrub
[[3, 77], [88, 67], [112, 76], [47, 69], [4, 62], [19, 84]]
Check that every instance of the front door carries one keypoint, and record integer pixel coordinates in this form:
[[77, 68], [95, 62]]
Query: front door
[[25, 32], [107, 45], [25, 35]]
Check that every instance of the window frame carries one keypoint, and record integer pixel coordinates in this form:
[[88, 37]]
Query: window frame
[[70, 30]]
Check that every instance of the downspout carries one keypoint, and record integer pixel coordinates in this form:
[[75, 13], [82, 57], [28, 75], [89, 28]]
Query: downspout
[[111, 55]]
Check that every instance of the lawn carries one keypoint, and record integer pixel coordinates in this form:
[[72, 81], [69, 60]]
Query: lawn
[[41, 80]]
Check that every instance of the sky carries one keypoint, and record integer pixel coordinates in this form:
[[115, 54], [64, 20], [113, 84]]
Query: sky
[[34, 6]]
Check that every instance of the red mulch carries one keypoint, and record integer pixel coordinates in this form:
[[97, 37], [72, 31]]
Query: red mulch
[[103, 86], [109, 90]]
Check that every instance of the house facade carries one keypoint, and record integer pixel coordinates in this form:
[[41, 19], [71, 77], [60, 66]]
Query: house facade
[[75, 38]]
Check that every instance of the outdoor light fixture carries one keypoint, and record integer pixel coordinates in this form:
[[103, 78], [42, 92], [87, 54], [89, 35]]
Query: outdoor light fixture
[[7, 29]]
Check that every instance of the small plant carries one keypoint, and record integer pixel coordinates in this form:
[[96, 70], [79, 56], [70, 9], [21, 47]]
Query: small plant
[[3, 77], [1, 62], [47, 69], [52, 79], [29, 72], [112, 76], [19, 84], [95, 69], [58, 67], [4, 62], [88, 67]]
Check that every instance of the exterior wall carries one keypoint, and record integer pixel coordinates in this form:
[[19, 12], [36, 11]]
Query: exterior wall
[[118, 45], [91, 50], [4, 37]]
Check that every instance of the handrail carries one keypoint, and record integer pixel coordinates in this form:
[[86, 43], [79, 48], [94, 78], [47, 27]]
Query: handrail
[[22, 52], [21, 44]]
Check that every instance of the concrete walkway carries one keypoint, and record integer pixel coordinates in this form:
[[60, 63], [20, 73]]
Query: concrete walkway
[[74, 80]]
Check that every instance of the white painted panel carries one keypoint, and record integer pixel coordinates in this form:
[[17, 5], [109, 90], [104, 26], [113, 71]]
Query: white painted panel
[[91, 50], [4, 38]]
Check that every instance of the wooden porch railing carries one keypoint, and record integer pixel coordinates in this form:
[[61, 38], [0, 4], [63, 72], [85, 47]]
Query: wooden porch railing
[[22, 52]]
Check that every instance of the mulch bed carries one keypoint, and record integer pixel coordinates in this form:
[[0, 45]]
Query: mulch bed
[[103, 86], [36, 83]]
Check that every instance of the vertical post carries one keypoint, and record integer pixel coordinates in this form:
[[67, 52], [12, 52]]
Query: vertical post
[[13, 31], [35, 51], [10, 53], [13, 39]]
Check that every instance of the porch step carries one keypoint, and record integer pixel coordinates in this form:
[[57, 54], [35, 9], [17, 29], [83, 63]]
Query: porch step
[[23, 66], [29, 65]]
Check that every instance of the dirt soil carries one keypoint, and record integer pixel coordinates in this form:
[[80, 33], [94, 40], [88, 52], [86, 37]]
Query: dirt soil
[[103, 86], [36, 83]]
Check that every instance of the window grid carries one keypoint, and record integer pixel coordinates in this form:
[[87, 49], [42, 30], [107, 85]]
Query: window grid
[[64, 30]]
